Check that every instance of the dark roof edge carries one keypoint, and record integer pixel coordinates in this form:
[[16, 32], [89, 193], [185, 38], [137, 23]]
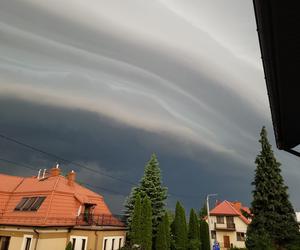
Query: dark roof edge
[[266, 42]]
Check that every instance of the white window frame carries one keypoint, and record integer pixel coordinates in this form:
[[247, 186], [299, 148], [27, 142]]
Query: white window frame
[[109, 242], [77, 237], [26, 236]]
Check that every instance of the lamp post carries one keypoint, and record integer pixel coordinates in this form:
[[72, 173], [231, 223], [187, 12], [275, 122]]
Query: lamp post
[[208, 217]]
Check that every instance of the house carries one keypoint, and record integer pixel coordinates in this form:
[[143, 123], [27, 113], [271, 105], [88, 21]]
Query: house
[[228, 224], [298, 217], [47, 211]]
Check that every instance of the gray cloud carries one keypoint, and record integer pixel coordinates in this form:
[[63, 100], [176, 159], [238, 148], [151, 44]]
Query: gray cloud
[[183, 79]]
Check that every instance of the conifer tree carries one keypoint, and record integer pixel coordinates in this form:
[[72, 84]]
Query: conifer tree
[[194, 231], [163, 234], [135, 233], [179, 229], [151, 186], [204, 235], [146, 230], [69, 246], [271, 208]]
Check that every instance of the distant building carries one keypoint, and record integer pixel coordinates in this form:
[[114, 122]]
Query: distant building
[[298, 217], [228, 224], [47, 211]]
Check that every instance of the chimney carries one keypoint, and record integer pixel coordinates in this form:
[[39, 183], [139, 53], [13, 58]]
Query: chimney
[[55, 171], [237, 205], [71, 178]]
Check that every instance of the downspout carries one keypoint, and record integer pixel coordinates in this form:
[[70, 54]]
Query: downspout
[[37, 239], [96, 241]]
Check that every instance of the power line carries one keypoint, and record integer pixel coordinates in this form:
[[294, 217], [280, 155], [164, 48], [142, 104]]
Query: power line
[[57, 157], [19, 164], [79, 181]]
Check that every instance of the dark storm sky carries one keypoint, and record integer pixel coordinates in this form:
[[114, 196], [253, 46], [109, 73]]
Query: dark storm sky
[[107, 83]]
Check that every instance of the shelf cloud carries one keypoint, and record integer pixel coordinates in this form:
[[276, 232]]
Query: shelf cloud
[[183, 78]]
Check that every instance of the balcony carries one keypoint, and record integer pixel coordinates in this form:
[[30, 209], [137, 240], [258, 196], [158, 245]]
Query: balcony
[[225, 226], [81, 220], [98, 220]]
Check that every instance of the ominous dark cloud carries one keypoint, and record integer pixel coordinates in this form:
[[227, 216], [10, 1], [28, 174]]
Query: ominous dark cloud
[[115, 149], [107, 83]]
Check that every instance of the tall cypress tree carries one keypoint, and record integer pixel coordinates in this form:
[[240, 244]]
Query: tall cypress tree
[[146, 230], [135, 232], [204, 235], [151, 186], [163, 234], [179, 229], [271, 208], [194, 231]]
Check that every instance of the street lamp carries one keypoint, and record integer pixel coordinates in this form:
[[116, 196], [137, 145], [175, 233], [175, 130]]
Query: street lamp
[[208, 216]]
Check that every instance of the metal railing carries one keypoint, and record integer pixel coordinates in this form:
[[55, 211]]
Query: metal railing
[[98, 220], [81, 220], [227, 226]]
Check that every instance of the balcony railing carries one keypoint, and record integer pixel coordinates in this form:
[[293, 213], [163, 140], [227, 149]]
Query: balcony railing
[[225, 226], [98, 220], [81, 220]]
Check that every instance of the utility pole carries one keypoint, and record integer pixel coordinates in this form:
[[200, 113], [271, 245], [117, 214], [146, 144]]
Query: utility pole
[[208, 217]]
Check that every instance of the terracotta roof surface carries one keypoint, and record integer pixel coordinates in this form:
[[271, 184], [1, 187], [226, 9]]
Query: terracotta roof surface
[[231, 208], [64, 201]]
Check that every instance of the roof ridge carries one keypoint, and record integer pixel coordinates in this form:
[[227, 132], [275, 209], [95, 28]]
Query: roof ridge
[[239, 212], [13, 191]]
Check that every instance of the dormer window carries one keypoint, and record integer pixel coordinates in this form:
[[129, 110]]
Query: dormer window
[[30, 204]]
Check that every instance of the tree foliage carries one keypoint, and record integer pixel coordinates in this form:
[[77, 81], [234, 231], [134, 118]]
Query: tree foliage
[[194, 231], [69, 246], [136, 225], [179, 229], [204, 235], [146, 224], [163, 234], [151, 186], [271, 208]]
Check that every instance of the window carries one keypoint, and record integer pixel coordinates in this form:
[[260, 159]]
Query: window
[[21, 203], [213, 234], [73, 243], [220, 219], [105, 244], [36, 205], [83, 244], [240, 236], [120, 243], [27, 241], [4, 242], [79, 242], [30, 204], [113, 244]]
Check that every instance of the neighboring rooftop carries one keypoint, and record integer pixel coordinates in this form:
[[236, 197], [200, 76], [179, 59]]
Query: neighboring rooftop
[[232, 209], [51, 199]]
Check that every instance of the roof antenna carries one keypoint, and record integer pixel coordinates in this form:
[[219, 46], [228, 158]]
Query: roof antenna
[[39, 174], [44, 173]]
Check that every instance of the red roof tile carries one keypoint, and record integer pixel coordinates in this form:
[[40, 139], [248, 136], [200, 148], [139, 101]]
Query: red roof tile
[[230, 208], [60, 208]]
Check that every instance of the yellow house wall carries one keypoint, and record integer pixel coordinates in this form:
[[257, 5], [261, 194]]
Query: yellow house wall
[[58, 241], [16, 239], [52, 241], [240, 227], [95, 242]]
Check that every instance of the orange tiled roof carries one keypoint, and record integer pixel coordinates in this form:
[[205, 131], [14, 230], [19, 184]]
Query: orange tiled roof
[[64, 201], [230, 208]]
